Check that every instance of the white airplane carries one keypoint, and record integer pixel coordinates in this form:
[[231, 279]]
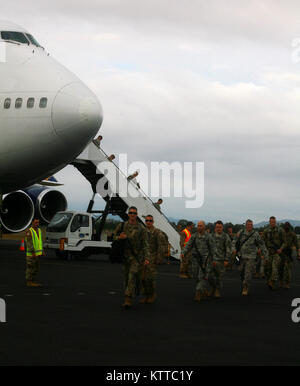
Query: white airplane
[[47, 117]]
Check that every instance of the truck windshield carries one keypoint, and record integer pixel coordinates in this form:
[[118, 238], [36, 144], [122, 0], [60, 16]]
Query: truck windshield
[[59, 222]]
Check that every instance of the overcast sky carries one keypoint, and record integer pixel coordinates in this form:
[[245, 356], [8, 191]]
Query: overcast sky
[[192, 81]]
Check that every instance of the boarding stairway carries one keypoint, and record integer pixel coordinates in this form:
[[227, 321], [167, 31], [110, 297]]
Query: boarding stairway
[[92, 164]]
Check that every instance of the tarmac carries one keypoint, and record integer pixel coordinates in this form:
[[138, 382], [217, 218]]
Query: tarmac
[[76, 318]]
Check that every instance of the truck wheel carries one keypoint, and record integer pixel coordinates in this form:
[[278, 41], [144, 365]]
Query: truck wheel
[[83, 255], [61, 255]]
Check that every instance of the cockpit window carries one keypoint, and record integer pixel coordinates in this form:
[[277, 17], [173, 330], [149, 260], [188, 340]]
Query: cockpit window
[[32, 40], [14, 36]]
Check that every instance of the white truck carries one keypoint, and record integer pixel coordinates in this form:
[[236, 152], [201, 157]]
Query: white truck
[[76, 234]]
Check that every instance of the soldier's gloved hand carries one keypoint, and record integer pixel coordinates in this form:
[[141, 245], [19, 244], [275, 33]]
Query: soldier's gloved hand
[[279, 251], [146, 262], [226, 263], [214, 263], [122, 236]]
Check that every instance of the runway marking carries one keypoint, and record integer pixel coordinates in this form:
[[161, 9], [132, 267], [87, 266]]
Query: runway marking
[[46, 294]]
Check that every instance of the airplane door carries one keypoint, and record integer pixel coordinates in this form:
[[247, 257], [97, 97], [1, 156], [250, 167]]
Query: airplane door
[[80, 229]]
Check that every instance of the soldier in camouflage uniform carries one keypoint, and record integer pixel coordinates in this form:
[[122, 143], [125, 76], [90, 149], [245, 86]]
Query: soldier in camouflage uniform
[[275, 241], [136, 253], [157, 243], [290, 251], [202, 247], [246, 245], [221, 259]]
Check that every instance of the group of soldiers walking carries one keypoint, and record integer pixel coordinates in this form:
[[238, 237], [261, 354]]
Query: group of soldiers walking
[[210, 255], [207, 255]]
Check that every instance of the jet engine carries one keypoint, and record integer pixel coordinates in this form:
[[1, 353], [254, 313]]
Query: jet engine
[[47, 202], [17, 211]]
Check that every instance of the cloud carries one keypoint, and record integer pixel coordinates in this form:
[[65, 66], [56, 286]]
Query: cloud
[[208, 81]]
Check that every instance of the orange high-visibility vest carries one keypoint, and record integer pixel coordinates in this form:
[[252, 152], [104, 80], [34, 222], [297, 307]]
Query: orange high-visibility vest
[[187, 236]]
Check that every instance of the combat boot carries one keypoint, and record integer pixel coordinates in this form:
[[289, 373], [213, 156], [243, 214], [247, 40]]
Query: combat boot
[[204, 295], [197, 297], [128, 303], [151, 299], [183, 276], [217, 293], [245, 291], [143, 300], [32, 284], [271, 285], [211, 292]]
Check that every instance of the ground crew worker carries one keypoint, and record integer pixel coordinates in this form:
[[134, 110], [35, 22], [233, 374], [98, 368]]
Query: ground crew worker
[[275, 241], [34, 249], [221, 259], [156, 241], [246, 245], [290, 251], [136, 253], [186, 259], [202, 247]]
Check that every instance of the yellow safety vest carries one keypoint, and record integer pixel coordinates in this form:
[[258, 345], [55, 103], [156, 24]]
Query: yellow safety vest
[[187, 236], [37, 243]]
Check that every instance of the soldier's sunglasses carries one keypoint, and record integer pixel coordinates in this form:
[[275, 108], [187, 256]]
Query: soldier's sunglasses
[[132, 212], [149, 220]]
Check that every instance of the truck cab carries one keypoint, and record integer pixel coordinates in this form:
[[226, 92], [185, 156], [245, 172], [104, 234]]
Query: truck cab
[[73, 233]]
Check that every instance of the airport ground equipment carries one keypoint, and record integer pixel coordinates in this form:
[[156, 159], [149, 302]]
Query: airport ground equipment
[[84, 239]]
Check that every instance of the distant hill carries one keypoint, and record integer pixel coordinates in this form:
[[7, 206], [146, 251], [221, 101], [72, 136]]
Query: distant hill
[[294, 223]]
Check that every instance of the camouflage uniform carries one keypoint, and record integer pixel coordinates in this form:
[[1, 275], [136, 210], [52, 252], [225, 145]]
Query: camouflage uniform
[[248, 253], [32, 262], [274, 239], [223, 251], [165, 247], [156, 243], [232, 257], [201, 265], [134, 256], [186, 260], [285, 269]]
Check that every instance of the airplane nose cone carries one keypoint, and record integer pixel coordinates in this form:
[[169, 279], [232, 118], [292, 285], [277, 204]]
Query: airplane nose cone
[[76, 114]]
